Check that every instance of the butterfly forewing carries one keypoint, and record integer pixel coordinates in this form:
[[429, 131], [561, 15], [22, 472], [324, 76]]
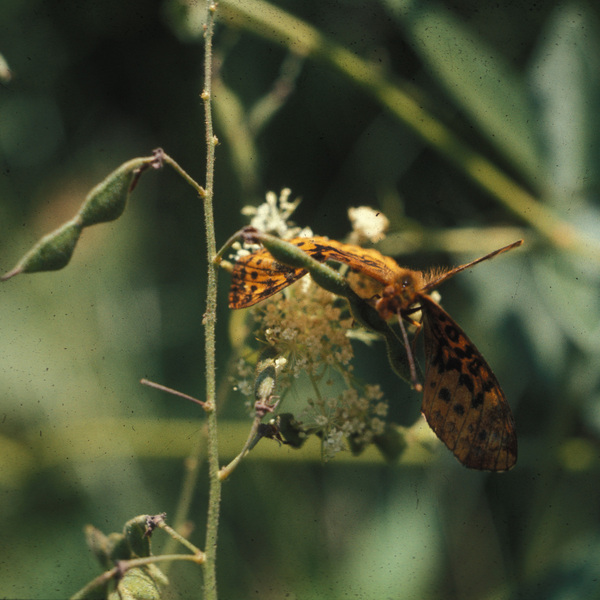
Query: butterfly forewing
[[367, 261], [258, 276], [462, 399]]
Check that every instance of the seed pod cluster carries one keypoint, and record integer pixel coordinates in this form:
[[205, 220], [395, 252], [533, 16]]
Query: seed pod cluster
[[105, 202]]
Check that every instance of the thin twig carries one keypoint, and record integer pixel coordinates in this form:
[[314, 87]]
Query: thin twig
[[226, 471], [164, 388]]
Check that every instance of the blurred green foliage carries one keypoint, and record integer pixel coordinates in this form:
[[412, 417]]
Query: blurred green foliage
[[95, 84]]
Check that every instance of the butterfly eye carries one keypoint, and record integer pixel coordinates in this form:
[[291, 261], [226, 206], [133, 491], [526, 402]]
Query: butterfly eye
[[406, 282]]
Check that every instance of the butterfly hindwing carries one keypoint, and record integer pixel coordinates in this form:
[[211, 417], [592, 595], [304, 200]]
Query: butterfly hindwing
[[462, 399]]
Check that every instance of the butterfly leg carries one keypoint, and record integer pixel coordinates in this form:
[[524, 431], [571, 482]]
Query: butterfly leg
[[410, 355], [416, 324]]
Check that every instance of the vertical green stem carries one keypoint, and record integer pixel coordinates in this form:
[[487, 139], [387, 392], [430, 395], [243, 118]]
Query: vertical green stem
[[214, 493]]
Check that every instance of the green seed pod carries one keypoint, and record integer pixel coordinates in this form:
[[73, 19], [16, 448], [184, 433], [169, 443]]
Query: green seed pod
[[51, 253], [106, 202], [135, 534], [292, 256], [136, 584]]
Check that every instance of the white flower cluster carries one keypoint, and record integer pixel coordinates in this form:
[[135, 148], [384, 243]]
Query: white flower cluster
[[312, 330], [273, 215]]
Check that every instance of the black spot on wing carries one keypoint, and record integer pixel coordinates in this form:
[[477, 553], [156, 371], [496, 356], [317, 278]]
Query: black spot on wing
[[452, 333], [467, 381], [444, 394], [477, 400]]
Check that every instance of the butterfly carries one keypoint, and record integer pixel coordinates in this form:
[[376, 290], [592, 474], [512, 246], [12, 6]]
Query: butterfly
[[462, 399]]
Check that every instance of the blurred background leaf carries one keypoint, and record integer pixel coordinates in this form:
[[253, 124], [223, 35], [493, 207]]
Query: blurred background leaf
[[94, 85]]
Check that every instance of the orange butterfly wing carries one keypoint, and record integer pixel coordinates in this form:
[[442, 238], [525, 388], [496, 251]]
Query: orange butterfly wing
[[367, 261], [258, 276], [462, 399]]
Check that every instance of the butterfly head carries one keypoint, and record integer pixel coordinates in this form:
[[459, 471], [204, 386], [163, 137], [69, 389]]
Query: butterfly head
[[400, 294]]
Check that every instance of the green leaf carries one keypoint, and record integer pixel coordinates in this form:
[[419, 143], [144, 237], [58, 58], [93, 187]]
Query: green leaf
[[482, 82], [565, 79]]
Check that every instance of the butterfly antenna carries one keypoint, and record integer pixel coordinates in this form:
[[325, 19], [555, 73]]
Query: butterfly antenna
[[434, 283], [411, 359]]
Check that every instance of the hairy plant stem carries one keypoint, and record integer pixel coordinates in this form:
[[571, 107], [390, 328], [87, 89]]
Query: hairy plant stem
[[214, 493]]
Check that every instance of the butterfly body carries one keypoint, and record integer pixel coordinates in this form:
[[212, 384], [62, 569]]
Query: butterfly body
[[462, 399]]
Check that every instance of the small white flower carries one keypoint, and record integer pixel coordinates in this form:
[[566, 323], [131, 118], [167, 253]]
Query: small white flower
[[244, 387], [272, 216], [368, 224], [363, 335], [333, 443], [377, 426], [320, 420], [381, 409], [280, 362]]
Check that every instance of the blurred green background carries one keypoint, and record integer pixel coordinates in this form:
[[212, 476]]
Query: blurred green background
[[94, 84]]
